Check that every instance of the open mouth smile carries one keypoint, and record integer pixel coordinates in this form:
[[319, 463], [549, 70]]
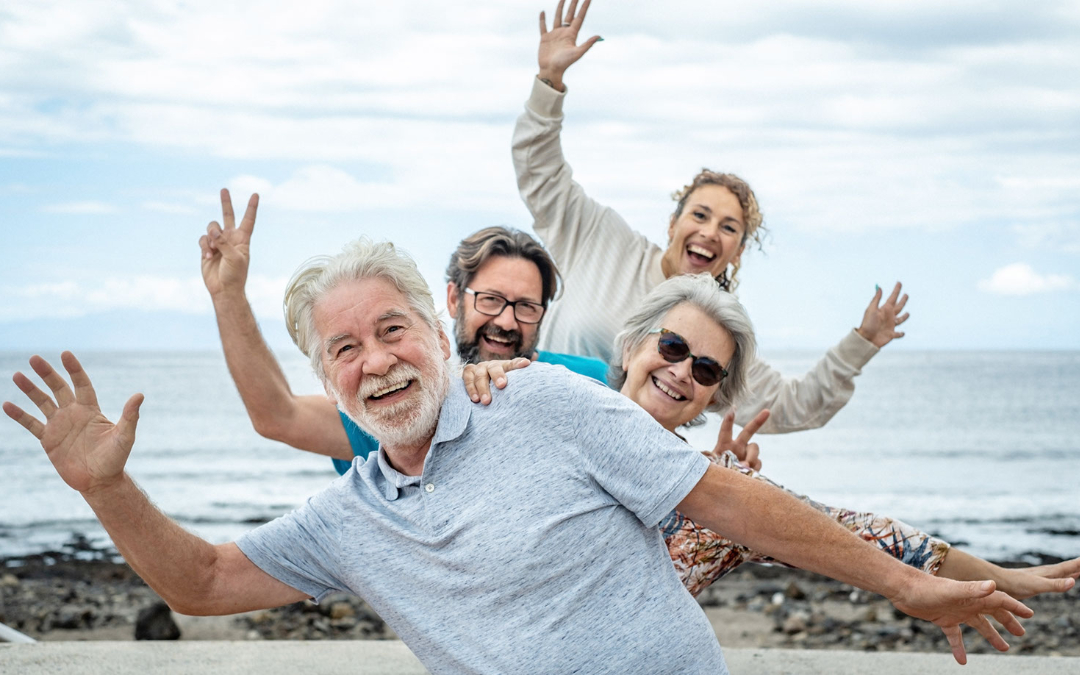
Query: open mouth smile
[[389, 392], [699, 255], [674, 395]]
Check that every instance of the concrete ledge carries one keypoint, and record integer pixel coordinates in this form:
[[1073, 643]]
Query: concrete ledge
[[392, 657]]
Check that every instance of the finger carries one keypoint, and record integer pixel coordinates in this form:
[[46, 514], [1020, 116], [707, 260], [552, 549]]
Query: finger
[[897, 336], [38, 397], [468, 376], [227, 216], [84, 390], [28, 421], [900, 305], [989, 633], [1009, 621], [59, 387], [895, 293], [956, 643], [558, 16], [876, 300], [579, 18], [587, 45], [753, 453], [129, 419], [1011, 604], [204, 246], [247, 224], [570, 12], [727, 426], [751, 428], [543, 24], [902, 318], [214, 231]]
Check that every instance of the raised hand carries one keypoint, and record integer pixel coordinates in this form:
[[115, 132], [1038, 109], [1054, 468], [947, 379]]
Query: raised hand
[[948, 604], [87, 450], [479, 376], [558, 47], [226, 250], [747, 452], [879, 323]]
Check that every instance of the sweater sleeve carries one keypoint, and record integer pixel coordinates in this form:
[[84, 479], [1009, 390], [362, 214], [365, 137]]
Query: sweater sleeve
[[807, 402], [565, 218]]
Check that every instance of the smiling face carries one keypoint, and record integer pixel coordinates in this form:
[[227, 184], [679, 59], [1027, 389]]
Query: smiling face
[[707, 236], [384, 365], [667, 391], [488, 338]]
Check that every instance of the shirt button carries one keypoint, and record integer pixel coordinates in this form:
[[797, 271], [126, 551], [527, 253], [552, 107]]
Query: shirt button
[[430, 487]]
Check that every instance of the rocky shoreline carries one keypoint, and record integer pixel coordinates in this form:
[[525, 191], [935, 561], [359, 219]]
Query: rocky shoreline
[[83, 594]]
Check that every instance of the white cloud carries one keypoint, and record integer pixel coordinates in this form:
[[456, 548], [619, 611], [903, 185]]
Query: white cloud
[[148, 293], [1021, 279], [87, 208]]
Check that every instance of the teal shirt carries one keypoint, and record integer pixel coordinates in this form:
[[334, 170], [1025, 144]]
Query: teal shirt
[[363, 444]]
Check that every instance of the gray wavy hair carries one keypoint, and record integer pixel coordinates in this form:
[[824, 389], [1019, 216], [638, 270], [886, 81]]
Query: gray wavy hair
[[361, 259], [701, 291]]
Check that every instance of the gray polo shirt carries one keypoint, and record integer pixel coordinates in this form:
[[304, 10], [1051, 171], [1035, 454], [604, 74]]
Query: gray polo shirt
[[528, 545]]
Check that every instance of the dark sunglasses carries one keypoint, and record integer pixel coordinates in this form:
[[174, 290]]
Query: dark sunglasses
[[672, 346]]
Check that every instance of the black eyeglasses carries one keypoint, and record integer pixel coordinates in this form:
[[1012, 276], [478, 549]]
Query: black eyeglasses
[[673, 348], [491, 304]]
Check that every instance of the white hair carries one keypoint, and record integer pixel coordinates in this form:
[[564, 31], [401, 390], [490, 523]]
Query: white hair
[[703, 292], [361, 259]]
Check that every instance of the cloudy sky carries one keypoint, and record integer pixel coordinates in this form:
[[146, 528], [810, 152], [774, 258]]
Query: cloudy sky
[[933, 142]]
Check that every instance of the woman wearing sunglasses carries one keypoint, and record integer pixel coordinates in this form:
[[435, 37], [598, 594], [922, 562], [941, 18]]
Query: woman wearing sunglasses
[[608, 268], [687, 349]]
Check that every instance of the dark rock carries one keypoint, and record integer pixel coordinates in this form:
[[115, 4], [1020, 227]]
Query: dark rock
[[156, 623], [794, 592]]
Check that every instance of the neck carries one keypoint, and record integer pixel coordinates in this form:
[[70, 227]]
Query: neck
[[409, 459]]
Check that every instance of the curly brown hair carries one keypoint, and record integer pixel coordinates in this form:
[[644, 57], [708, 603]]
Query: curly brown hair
[[752, 216]]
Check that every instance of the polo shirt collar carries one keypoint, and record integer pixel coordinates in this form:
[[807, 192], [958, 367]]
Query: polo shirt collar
[[453, 420]]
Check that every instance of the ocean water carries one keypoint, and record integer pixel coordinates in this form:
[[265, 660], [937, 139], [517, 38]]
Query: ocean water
[[981, 448]]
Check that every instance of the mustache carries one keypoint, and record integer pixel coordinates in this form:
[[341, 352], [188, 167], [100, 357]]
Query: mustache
[[399, 374], [491, 330]]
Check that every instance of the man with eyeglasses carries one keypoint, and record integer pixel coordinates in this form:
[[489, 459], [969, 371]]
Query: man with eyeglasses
[[499, 284]]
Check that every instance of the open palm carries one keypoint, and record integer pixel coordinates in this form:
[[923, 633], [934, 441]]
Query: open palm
[[85, 448], [558, 46]]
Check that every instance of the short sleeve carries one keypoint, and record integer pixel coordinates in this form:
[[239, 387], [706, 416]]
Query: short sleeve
[[301, 548], [643, 466]]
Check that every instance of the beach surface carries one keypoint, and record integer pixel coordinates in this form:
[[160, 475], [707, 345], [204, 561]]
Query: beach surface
[[60, 597]]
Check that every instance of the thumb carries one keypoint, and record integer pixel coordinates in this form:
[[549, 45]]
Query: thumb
[[981, 589], [129, 419], [587, 45]]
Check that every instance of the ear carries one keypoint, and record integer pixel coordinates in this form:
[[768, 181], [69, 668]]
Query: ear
[[738, 255], [625, 358], [444, 343], [452, 294]]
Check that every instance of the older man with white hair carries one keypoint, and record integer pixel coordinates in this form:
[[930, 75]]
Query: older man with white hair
[[515, 537]]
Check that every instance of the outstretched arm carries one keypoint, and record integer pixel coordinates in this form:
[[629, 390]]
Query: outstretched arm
[[305, 422], [808, 402], [89, 452], [769, 520]]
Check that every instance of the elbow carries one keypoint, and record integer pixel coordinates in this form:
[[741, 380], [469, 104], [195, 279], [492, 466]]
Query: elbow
[[269, 426]]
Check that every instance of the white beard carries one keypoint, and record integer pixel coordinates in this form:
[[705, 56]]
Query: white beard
[[409, 422]]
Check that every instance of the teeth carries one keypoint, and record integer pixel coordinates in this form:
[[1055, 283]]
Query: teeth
[[704, 253], [391, 389], [669, 392], [502, 341]]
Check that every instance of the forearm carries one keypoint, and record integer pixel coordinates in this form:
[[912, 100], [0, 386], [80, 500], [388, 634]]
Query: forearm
[[809, 401], [178, 565], [770, 521], [258, 377]]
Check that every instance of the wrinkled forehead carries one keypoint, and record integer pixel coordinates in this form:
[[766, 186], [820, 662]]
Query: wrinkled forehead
[[356, 307]]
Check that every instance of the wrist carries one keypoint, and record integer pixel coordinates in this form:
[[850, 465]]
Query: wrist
[[105, 489], [552, 79]]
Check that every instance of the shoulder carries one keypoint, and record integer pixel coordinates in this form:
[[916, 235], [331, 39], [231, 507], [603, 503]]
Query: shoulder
[[582, 365]]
